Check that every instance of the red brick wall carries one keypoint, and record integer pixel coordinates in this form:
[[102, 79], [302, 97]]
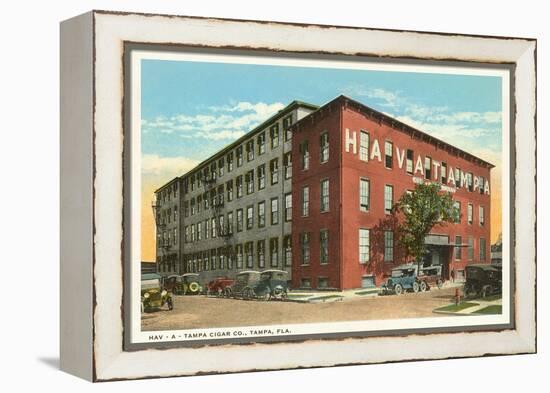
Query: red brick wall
[[344, 170]]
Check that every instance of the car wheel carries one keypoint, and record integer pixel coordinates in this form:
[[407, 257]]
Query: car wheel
[[439, 283], [170, 303], [398, 289], [416, 287], [227, 293], [423, 286], [267, 295], [486, 292]]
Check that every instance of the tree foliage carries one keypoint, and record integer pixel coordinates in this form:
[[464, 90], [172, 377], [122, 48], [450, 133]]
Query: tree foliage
[[422, 209]]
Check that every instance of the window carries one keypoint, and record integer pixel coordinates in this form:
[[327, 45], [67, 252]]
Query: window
[[481, 216], [304, 151], [192, 182], [458, 208], [249, 249], [274, 211], [213, 227], [249, 217], [221, 226], [287, 244], [364, 194], [410, 156], [239, 156], [470, 248], [186, 236], [261, 143], [205, 201], [304, 244], [169, 214], [221, 167], [193, 233], [175, 213], [388, 246], [287, 162], [230, 258], [261, 253], [287, 122], [305, 201], [324, 147], [274, 132], [239, 220], [457, 177], [250, 150], [249, 182], [288, 207], [428, 167], [324, 195], [229, 188], [388, 198], [470, 180], [388, 150], [274, 251], [220, 195], [214, 259], [470, 213], [230, 223], [199, 231], [230, 162], [199, 203], [482, 248], [458, 248], [186, 208], [481, 184], [261, 214], [207, 228], [274, 168], [239, 252], [364, 245], [323, 243], [305, 283], [444, 173], [213, 171], [261, 177], [221, 254], [239, 186], [364, 146], [193, 207], [175, 236]]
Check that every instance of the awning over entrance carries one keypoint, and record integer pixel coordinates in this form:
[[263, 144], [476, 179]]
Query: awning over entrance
[[437, 240]]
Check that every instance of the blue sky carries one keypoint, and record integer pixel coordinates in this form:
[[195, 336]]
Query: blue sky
[[192, 109]]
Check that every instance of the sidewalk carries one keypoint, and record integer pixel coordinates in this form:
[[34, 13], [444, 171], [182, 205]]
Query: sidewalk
[[473, 307], [316, 296]]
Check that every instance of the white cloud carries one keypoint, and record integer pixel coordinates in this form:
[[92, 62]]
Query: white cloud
[[165, 168], [219, 123]]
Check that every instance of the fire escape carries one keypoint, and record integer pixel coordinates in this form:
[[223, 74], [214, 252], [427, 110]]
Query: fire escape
[[163, 245], [223, 229]]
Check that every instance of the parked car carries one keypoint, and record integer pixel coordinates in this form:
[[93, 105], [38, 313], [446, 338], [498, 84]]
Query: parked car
[[191, 285], [174, 284], [482, 281], [243, 282], [272, 285], [429, 277], [403, 278], [153, 295], [218, 286]]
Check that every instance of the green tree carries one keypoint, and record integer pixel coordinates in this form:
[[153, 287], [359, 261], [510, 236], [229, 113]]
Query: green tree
[[422, 209]]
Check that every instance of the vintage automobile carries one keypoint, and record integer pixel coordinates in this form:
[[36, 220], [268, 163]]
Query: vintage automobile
[[153, 295], [218, 286], [191, 284], [243, 282], [174, 284], [482, 281], [429, 277], [403, 278], [272, 285]]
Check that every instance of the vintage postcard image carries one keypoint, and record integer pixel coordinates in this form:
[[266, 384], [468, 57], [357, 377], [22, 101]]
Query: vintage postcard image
[[276, 198]]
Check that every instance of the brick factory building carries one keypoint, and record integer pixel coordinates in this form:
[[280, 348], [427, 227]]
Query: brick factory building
[[310, 191]]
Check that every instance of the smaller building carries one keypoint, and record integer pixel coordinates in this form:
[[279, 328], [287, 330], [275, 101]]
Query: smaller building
[[148, 267]]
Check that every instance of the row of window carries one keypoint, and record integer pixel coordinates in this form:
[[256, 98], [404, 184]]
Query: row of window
[[249, 149], [235, 188], [470, 248], [224, 225], [168, 193], [250, 255]]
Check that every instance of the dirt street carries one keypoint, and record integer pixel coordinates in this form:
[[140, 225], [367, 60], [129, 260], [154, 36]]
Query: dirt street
[[192, 312]]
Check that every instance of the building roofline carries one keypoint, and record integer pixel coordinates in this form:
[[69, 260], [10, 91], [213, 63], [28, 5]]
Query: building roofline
[[398, 125], [168, 183], [293, 105]]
